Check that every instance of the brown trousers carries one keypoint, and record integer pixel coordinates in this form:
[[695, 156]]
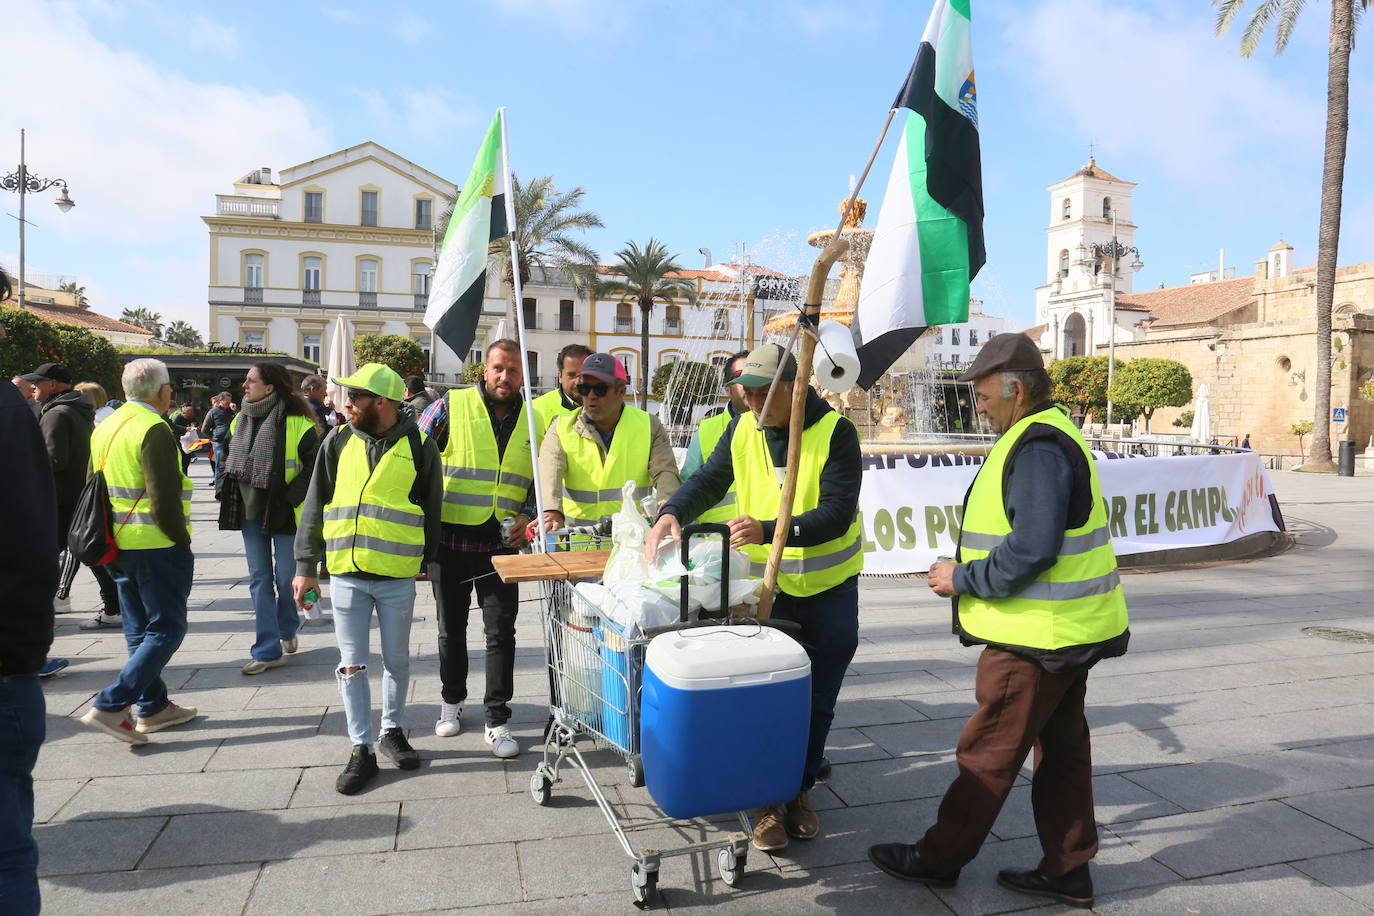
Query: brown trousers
[[1020, 706]]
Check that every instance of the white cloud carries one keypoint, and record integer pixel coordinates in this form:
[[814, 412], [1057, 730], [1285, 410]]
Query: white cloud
[[144, 157], [342, 16], [432, 112], [205, 35], [605, 18], [824, 19], [413, 29]]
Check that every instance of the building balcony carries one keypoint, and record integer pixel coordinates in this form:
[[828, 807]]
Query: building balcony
[[253, 207], [569, 323], [310, 297], [421, 301], [252, 295], [367, 300]]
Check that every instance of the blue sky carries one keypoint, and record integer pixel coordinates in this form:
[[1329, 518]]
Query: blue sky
[[704, 124]]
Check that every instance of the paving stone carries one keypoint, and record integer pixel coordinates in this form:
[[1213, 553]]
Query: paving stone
[[857, 713], [847, 833], [1227, 839], [1278, 890], [1351, 873], [847, 745], [181, 793], [82, 847], [259, 836], [206, 890], [913, 738], [393, 882], [840, 889], [115, 758], [877, 781], [436, 778], [49, 795], [576, 905], [1351, 810], [477, 819], [896, 684]]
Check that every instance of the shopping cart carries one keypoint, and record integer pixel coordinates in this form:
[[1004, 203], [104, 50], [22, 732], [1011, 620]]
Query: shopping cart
[[595, 669]]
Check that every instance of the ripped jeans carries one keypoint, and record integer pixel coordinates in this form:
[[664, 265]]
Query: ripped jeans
[[354, 600]]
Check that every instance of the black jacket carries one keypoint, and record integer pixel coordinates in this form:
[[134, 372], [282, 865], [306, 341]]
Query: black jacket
[[28, 557], [67, 421], [841, 478]]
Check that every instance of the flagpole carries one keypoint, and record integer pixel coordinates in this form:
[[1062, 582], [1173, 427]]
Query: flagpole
[[537, 545]]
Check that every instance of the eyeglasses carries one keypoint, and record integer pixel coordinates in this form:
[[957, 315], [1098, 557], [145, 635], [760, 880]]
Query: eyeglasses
[[600, 390], [355, 396]]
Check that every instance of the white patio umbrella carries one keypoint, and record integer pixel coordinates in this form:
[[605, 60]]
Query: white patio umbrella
[[341, 361], [1202, 417]]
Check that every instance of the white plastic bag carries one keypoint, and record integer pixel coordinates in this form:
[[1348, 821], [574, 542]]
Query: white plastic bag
[[629, 533]]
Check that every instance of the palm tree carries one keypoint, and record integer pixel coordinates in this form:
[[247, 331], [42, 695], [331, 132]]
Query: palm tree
[[642, 274], [6, 285], [145, 318], [1345, 15], [78, 291], [546, 220], [183, 334]]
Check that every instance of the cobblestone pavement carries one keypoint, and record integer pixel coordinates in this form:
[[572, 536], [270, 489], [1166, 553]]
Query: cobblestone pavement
[[1234, 763]]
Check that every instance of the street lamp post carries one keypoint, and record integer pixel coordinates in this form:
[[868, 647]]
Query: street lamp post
[[1091, 257], [24, 183]]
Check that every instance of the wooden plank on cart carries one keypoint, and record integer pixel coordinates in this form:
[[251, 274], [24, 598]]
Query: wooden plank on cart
[[549, 567]]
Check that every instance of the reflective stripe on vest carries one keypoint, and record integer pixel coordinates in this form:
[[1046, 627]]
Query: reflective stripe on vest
[[1077, 601], [592, 485], [370, 523], [804, 570], [119, 442], [709, 433], [479, 481], [296, 428]]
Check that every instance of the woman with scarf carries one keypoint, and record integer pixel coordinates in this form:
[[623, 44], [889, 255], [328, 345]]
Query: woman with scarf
[[269, 456]]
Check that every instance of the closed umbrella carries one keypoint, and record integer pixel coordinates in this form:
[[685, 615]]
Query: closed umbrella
[[1202, 417], [341, 361]]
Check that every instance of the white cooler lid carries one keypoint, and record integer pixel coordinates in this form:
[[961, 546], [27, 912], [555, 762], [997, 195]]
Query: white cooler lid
[[711, 657]]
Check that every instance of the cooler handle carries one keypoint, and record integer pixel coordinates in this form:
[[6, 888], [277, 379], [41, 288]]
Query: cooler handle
[[724, 532]]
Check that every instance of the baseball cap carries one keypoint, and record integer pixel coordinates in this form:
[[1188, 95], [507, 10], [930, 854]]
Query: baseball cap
[[378, 379], [52, 372], [762, 364], [606, 367], [1013, 352]]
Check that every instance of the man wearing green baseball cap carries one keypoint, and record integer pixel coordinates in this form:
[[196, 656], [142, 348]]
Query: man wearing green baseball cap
[[373, 510]]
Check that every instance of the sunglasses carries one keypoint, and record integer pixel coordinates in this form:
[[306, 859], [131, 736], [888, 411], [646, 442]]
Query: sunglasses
[[600, 389], [355, 396]]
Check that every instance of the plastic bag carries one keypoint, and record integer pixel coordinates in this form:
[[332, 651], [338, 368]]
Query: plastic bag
[[629, 533], [636, 604]]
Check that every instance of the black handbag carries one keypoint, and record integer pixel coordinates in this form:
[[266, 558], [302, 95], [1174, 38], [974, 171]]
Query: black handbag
[[91, 535]]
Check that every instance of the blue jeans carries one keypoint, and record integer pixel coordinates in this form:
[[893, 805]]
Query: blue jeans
[[354, 600], [22, 728], [830, 631], [153, 587], [274, 604]]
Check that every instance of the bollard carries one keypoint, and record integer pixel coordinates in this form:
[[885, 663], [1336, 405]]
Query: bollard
[[1346, 462]]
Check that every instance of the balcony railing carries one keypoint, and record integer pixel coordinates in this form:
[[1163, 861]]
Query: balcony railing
[[234, 205], [672, 326], [367, 300], [568, 323], [421, 301], [623, 326], [252, 295], [310, 297]]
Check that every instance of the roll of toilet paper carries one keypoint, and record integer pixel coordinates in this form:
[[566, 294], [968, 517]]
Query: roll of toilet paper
[[837, 362]]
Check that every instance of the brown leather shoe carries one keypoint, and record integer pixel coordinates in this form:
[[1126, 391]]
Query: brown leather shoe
[[769, 833], [800, 819]]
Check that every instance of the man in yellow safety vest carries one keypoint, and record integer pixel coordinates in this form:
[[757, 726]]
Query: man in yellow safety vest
[[1035, 582], [819, 576], [562, 399], [373, 511], [709, 432], [587, 457]]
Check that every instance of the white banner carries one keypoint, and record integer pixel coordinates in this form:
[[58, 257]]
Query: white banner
[[911, 505]]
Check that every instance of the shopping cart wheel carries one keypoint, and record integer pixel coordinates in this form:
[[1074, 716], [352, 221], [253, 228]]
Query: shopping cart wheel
[[643, 884], [636, 768], [730, 866], [540, 787]]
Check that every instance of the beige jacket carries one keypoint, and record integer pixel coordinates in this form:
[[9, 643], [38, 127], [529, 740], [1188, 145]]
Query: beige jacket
[[552, 461]]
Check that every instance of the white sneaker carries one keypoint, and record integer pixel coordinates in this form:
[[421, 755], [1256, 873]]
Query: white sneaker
[[501, 742], [450, 720], [62, 605]]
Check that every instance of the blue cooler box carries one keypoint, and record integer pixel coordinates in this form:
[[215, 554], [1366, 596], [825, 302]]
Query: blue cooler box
[[724, 718]]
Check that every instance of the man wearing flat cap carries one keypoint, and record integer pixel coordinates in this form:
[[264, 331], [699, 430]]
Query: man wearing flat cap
[[1035, 583]]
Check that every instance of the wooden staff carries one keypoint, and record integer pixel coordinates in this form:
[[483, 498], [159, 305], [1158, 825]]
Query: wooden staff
[[811, 311]]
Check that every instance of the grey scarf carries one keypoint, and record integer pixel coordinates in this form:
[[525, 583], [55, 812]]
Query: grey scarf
[[251, 452]]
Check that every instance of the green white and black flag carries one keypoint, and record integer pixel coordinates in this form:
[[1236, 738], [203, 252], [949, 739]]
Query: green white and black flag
[[928, 245], [460, 277]]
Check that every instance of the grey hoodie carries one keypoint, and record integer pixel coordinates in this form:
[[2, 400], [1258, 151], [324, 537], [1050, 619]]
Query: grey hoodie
[[427, 493], [67, 420]]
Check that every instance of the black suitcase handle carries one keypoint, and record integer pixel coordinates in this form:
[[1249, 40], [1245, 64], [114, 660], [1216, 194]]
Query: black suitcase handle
[[707, 528]]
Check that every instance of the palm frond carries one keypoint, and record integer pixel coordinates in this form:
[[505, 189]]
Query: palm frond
[[1254, 30], [1227, 11], [1288, 18]]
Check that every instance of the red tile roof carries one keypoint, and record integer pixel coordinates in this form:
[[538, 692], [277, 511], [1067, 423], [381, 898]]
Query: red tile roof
[[1093, 171], [1036, 332], [82, 318], [1196, 303]]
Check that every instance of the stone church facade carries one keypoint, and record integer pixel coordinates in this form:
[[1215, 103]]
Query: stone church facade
[[1251, 340]]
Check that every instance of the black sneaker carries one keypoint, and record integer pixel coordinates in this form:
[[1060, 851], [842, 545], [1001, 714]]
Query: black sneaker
[[1074, 888], [395, 746], [361, 769]]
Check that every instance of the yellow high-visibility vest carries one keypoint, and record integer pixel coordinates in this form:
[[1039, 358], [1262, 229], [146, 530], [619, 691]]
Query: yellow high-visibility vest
[[117, 449], [1078, 601], [296, 428], [708, 434], [592, 485], [479, 481], [370, 523], [548, 409], [805, 570]]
